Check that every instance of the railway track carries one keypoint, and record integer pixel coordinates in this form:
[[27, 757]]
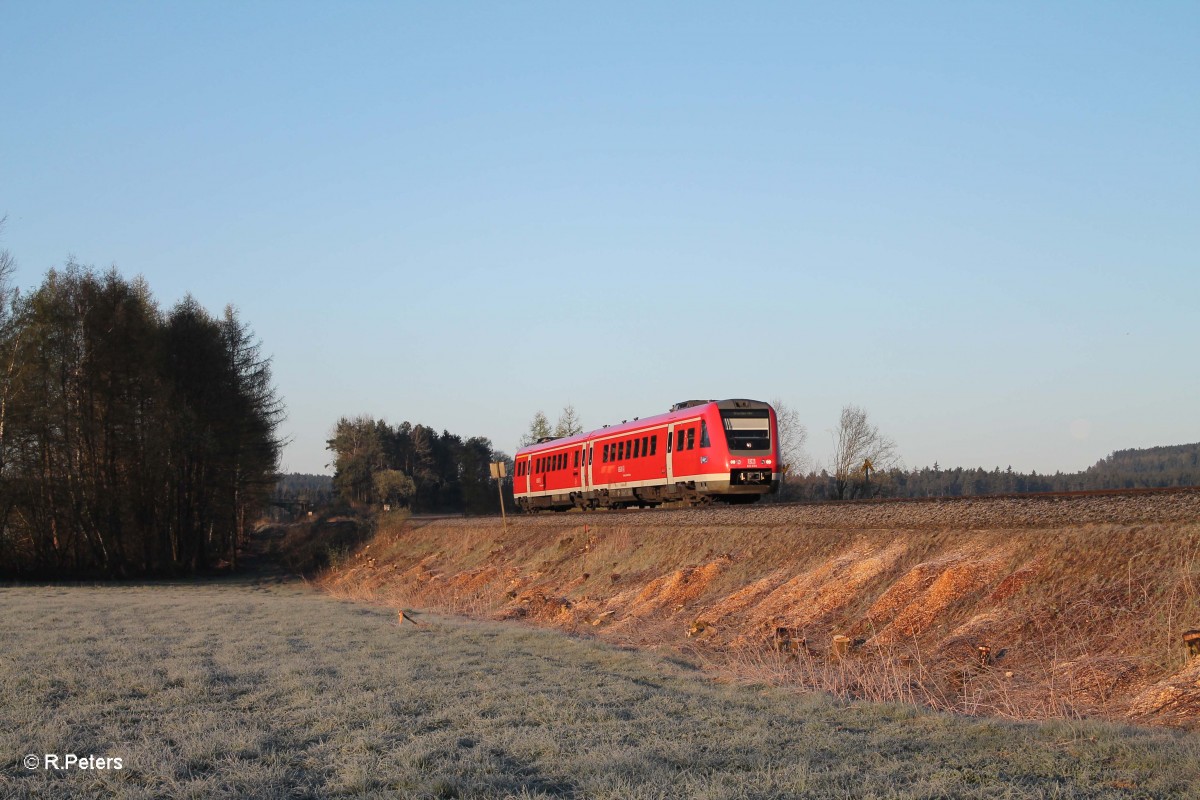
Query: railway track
[[869, 501], [1013, 496]]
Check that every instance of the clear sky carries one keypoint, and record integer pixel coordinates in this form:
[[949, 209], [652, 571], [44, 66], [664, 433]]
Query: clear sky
[[980, 221]]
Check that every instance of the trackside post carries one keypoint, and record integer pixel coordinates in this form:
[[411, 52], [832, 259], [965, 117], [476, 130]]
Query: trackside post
[[499, 471]]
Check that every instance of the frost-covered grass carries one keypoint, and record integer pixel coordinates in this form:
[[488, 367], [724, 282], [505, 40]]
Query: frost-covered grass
[[235, 689]]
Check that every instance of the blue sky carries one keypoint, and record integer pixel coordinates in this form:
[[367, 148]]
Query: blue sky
[[979, 221]]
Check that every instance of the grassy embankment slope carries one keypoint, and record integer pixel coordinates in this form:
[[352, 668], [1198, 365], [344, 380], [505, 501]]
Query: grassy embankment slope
[[1079, 603], [271, 690]]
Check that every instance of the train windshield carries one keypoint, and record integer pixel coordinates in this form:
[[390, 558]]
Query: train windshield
[[747, 430]]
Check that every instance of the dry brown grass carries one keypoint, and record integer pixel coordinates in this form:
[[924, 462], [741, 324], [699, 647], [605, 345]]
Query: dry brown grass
[[1077, 619]]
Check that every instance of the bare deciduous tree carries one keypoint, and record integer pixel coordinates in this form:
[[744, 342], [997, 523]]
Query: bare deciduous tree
[[858, 443], [539, 428], [9, 341], [792, 437]]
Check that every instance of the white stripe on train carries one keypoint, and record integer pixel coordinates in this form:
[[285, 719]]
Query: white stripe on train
[[710, 477]]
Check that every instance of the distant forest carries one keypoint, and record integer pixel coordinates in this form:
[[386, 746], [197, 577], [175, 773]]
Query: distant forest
[[413, 466], [310, 490], [133, 441], [1152, 467]]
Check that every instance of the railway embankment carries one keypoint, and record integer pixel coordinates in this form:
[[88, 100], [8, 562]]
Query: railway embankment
[[1020, 607]]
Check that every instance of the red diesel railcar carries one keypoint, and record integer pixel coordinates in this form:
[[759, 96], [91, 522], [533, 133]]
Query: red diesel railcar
[[698, 452]]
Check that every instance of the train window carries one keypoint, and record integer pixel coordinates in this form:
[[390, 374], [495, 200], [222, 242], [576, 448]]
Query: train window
[[691, 438], [645, 445], [654, 444], [604, 455], [747, 429], [577, 459], [620, 451], [679, 441], [589, 456], [669, 439], [562, 460], [637, 450], [704, 434]]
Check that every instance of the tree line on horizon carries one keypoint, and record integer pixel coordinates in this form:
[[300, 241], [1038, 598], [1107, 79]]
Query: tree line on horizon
[[133, 441], [413, 467], [1145, 468]]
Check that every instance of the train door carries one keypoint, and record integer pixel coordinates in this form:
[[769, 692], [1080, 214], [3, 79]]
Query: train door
[[686, 457], [670, 454]]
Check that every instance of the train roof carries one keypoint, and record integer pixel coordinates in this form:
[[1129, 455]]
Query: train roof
[[680, 411]]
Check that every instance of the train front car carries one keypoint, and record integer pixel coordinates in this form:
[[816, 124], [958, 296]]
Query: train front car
[[751, 453], [698, 452]]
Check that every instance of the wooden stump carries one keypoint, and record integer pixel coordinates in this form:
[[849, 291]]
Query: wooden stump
[[985, 655], [841, 646], [788, 640], [1192, 640]]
